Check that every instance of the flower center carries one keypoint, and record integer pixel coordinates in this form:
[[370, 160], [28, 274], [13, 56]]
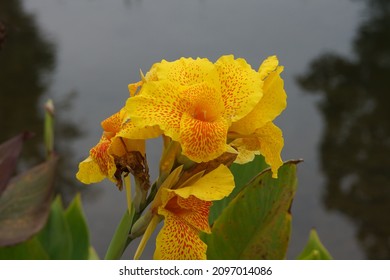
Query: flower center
[[204, 112]]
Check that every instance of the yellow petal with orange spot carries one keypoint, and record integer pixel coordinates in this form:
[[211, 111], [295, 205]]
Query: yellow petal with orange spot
[[193, 210], [177, 240], [215, 185], [158, 104], [269, 107], [205, 101], [89, 172], [187, 71], [130, 131], [241, 86], [102, 158], [202, 141], [268, 140], [113, 123], [185, 218]]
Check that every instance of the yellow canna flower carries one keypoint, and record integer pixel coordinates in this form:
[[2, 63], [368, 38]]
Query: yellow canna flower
[[255, 133], [121, 149], [194, 101], [185, 211]]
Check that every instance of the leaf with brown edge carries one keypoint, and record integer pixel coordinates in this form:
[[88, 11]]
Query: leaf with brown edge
[[9, 154], [256, 224], [25, 203]]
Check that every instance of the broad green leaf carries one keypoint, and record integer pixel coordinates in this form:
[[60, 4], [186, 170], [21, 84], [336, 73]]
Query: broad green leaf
[[78, 230], [29, 250], [243, 173], [257, 222], [9, 154], [56, 236], [314, 249], [25, 204]]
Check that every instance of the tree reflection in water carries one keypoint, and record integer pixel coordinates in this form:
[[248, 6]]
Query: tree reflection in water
[[355, 148], [27, 59]]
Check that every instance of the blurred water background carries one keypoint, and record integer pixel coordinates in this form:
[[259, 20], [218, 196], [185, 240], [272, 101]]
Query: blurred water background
[[336, 54]]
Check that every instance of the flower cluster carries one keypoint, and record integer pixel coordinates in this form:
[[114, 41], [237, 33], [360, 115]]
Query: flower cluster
[[209, 115]]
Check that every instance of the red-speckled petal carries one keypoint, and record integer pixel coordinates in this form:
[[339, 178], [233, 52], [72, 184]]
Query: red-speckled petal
[[241, 86], [179, 241], [98, 165], [270, 106], [195, 212], [104, 160], [187, 71], [159, 103], [201, 140], [179, 237], [131, 131], [112, 123], [89, 172]]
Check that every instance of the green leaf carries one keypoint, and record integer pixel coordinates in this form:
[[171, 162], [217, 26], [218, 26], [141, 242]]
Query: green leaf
[[29, 250], [243, 173], [79, 232], [257, 223], [25, 204], [314, 249], [56, 236]]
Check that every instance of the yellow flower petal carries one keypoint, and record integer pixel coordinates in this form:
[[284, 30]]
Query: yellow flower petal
[[98, 165], [268, 140], [133, 88], [177, 240], [191, 209], [267, 66], [215, 185], [274, 100], [241, 86], [104, 160], [130, 131], [187, 71], [150, 76], [244, 153], [202, 140], [271, 146], [120, 146], [113, 123], [89, 172], [159, 103], [269, 107], [205, 101]]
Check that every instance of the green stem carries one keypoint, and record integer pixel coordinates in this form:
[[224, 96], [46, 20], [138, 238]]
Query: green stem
[[119, 241], [49, 128]]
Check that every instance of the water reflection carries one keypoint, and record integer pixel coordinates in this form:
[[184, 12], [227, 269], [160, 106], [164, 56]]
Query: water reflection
[[355, 144], [27, 59]]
